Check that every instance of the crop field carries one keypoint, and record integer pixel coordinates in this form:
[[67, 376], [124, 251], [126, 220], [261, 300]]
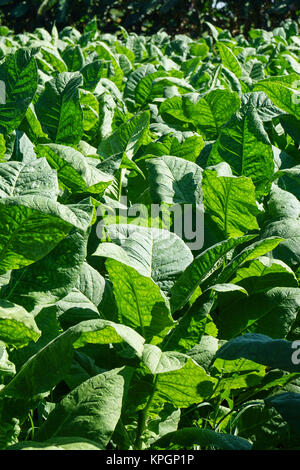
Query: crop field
[[149, 240]]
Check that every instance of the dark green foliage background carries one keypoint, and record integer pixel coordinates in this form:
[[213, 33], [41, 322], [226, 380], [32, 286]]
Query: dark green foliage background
[[175, 16]]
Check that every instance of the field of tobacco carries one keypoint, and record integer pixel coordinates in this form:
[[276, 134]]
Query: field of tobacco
[[149, 240]]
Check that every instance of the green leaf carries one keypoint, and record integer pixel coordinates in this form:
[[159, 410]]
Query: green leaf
[[174, 180], [237, 374], [85, 295], [258, 248], [19, 73], [283, 92], [50, 278], [59, 443], [6, 366], [127, 138], [53, 58], [73, 57], [179, 379], [289, 229], [244, 144], [188, 149], [205, 438], [134, 78], [154, 253], [214, 109], [92, 72], [91, 411], [204, 352], [52, 363], [192, 326], [17, 327], [25, 178], [262, 425], [263, 273], [288, 405], [106, 332], [143, 89], [282, 204], [206, 115], [73, 170], [229, 60], [230, 202], [33, 226], [271, 313], [202, 266], [141, 304], [58, 109], [273, 353]]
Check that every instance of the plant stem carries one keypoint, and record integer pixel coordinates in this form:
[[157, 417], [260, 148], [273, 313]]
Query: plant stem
[[143, 415]]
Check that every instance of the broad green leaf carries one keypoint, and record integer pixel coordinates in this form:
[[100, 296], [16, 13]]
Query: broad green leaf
[[73, 170], [282, 204], [33, 226], [155, 253], [52, 363], [204, 352], [127, 138], [179, 380], [292, 126], [228, 59], [273, 353], [34, 177], [50, 278], [86, 294], [271, 313], [289, 229], [159, 84], [92, 410], [106, 332], [73, 57], [262, 425], [288, 405], [90, 108], [19, 74], [58, 109], [188, 149], [17, 326], [205, 438], [263, 273], [206, 115], [257, 249], [289, 180], [214, 109], [59, 443], [174, 180], [144, 87], [192, 326], [244, 144], [92, 72], [283, 92], [43, 370], [237, 374], [52, 57], [202, 266], [141, 304], [230, 202], [6, 366], [32, 127], [134, 79], [199, 49]]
